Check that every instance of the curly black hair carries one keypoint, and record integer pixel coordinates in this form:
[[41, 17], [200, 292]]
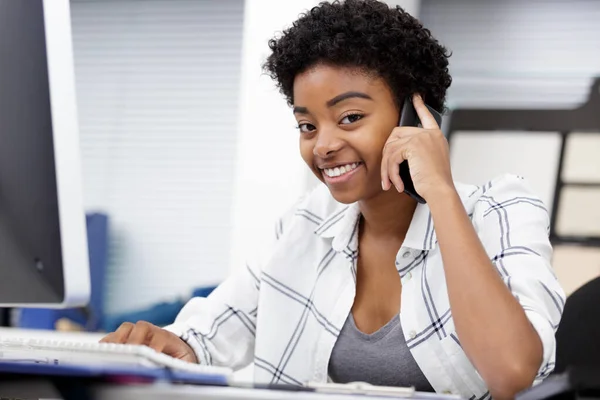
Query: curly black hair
[[365, 34]]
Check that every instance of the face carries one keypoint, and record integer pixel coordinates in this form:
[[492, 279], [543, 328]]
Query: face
[[344, 117]]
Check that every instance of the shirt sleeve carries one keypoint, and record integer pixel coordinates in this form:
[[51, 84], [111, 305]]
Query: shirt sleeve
[[221, 328], [514, 227]]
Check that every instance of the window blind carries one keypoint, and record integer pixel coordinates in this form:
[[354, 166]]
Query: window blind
[[512, 53], [157, 85]]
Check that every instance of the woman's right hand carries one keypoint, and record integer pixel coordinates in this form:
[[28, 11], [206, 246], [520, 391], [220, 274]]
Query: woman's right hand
[[144, 333]]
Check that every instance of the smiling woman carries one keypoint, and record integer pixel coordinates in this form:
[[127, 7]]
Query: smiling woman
[[361, 283]]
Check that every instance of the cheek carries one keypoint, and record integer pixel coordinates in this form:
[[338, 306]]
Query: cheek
[[372, 150], [379, 139], [306, 151]]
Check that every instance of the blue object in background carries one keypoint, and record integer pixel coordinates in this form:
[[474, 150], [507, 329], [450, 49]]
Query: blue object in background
[[90, 317], [161, 314], [203, 291]]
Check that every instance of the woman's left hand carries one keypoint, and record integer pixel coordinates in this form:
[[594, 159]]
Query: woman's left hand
[[425, 149]]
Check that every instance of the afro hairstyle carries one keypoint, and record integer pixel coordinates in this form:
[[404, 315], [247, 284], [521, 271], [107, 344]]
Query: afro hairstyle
[[367, 35]]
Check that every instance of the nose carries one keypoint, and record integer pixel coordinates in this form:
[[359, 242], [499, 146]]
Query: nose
[[328, 142]]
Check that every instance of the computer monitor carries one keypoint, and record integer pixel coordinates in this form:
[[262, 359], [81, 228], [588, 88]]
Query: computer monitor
[[43, 243]]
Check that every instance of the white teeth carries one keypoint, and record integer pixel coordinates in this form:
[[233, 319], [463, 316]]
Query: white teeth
[[341, 170]]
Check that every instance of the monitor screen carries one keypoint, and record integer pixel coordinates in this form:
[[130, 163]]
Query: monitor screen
[[34, 236]]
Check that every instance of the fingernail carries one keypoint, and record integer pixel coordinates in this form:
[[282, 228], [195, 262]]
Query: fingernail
[[382, 185]]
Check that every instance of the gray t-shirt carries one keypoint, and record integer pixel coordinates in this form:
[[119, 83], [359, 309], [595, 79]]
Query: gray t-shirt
[[381, 358]]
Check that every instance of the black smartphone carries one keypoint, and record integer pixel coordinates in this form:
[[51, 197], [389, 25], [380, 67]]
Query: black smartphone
[[409, 117]]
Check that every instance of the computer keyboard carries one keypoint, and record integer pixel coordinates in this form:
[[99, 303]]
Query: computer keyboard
[[42, 351]]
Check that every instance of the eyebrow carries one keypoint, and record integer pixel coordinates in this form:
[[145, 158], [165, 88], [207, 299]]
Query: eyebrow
[[300, 110], [337, 99], [348, 95]]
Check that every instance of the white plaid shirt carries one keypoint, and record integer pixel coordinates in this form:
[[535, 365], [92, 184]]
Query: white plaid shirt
[[285, 310]]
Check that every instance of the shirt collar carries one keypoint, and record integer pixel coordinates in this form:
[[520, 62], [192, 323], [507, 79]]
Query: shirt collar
[[342, 225]]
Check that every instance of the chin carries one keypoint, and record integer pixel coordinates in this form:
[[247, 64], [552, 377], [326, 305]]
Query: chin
[[345, 197]]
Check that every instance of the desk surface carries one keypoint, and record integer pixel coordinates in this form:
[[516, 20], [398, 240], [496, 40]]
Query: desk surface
[[185, 392]]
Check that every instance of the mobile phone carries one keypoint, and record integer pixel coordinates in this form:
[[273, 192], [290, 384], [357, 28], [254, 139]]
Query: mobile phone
[[409, 117]]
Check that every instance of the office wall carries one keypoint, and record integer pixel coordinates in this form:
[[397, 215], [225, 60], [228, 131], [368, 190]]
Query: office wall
[[157, 85]]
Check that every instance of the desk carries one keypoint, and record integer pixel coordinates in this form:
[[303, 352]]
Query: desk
[[185, 392]]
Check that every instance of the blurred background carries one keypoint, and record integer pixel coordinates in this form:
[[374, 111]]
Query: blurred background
[[192, 153]]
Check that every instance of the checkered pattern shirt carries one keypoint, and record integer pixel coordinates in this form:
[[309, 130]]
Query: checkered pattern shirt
[[284, 310]]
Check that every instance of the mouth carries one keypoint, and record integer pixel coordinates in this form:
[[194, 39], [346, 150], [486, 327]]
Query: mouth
[[340, 173]]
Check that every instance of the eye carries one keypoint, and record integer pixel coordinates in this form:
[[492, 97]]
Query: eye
[[351, 118], [306, 128]]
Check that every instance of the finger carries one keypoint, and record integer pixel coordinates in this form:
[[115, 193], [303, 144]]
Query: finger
[[395, 158], [121, 334], [108, 338], [385, 179], [395, 176], [391, 168], [141, 333], [427, 120], [400, 132], [388, 149], [158, 342]]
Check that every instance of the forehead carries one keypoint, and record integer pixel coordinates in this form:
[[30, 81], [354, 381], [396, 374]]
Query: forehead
[[323, 82]]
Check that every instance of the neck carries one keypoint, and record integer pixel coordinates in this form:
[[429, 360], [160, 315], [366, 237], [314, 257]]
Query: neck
[[387, 214]]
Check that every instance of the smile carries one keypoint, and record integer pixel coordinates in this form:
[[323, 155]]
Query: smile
[[340, 170]]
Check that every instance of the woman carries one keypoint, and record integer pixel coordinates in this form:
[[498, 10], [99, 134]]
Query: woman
[[360, 281]]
